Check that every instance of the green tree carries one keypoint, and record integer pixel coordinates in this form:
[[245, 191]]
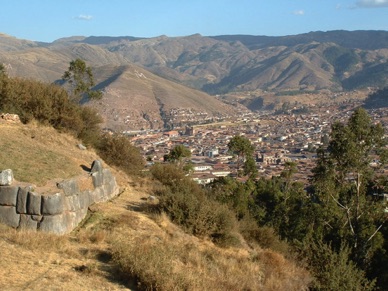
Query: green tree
[[332, 270], [235, 194], [178, 155], [243, 149], [81, 79], [344, 182]]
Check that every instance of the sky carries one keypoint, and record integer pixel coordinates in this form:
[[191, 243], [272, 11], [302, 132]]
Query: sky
[[48, 20]]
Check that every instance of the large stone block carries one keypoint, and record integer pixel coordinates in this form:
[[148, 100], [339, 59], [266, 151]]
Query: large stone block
[[34, 203], [8, 195], [98, 179], [52, 204], [21, 203], [57, 224], [74, 218], [79, 216], [9, 216], [96, 166], [70, 187], [84, 199], [110, 190], [72, 203], [108, 176], [98, 195], [6, 177], [27, 223]]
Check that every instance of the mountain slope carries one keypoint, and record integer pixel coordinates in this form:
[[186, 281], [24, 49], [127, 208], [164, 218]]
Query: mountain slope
[[135, 98], [119, 233], [334, 60]]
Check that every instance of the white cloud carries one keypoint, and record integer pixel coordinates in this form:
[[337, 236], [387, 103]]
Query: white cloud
[[83, 17], [298, 12], [372, 3]]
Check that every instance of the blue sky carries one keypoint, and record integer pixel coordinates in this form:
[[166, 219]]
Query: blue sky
[[47, 20]]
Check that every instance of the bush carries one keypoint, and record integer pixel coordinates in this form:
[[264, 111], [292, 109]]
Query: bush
[[187, 205], [49, 104], [333, 270], [117, 150]]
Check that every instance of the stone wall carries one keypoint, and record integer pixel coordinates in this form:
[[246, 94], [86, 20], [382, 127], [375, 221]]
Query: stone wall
[[59, 212]]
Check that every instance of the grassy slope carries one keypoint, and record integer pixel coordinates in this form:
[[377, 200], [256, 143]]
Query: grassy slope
[[119, 233]]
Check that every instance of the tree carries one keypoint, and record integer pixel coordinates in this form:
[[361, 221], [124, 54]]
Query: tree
[[80, 76], [242, 147], [344, 182], [178, 154], [332, 270]]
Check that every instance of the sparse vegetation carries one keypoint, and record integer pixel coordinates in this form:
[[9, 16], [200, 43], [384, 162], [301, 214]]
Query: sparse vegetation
[[51, 105], [187, 205]]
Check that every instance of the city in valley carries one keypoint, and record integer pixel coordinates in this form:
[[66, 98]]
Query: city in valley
[[277, 137]]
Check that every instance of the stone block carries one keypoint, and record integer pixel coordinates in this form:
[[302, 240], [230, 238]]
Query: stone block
[[9, 216], [96, 166], [57, 224], [79, 216], [34, 201], [70, 187], [21, 203], [108, 176], [8, 195], [84, 199], [109, 189], [73, 202], [52, 204], [98, 179], [6, 177], [98, 195], [27, 223]]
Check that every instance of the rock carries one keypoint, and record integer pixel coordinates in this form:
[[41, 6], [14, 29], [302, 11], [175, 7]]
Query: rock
[[10, 117], [6, 177], [52, 204], [27, 223], [9, 216], [72, 203], [21, 203], [34, 203], [8, 195], [70, 187], [84, 199], [81, 147], [96, 166], [57, 224], [98, 179]]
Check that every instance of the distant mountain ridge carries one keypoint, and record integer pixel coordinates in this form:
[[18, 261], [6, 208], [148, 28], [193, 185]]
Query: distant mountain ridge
[[333, 60]]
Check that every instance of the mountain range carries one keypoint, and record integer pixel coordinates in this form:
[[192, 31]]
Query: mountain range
[[164, 81]]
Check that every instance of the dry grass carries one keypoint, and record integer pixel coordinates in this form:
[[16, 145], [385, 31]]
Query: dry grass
[[37, 154], [151, 249], [36, 261], [162, 257]]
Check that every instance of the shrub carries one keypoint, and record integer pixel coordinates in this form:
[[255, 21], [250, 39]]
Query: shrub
[[49, 104], [187, 205], [118, 150]]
